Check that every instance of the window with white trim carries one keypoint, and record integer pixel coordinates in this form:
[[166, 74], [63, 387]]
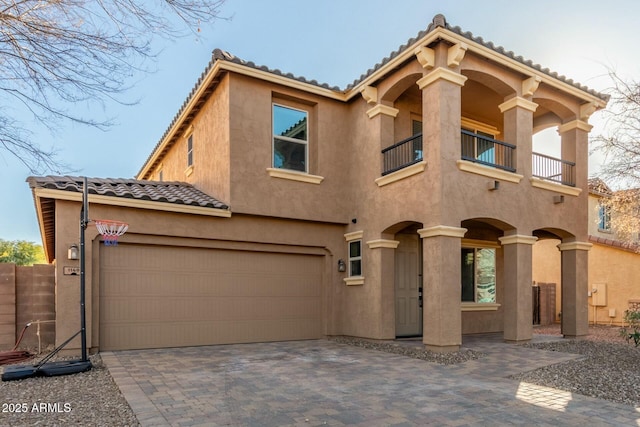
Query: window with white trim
[[355, 258], [479, 275], [290, 138]]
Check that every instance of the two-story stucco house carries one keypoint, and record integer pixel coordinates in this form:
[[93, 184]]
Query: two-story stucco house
[[277, 208]]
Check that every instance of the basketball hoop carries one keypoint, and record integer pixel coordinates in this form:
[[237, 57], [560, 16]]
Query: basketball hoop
[[111, 230]]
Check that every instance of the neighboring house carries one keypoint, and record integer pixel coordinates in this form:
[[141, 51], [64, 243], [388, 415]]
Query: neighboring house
[[614, 265], [277, 208]]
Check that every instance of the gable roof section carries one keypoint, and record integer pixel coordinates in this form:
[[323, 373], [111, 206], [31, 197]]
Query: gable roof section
[[438, 30], [598, 187], [156, 195]]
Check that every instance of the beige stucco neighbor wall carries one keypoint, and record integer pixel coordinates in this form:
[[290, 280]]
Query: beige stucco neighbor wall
[[616, 268], [619, 270]]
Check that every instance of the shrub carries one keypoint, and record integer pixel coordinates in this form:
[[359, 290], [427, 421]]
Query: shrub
[[632, 331]]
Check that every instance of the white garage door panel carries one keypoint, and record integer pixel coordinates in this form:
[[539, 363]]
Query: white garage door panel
[[159, 296]]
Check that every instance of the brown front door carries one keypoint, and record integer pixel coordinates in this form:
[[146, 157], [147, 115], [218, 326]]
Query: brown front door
[[408, 286]]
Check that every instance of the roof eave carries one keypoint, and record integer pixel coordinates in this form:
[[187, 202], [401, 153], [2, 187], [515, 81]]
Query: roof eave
[[47, 245], [218, 68], [441, 33], [132, 203]]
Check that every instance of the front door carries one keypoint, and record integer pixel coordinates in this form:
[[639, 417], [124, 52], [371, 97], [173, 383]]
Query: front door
[[408, 286]]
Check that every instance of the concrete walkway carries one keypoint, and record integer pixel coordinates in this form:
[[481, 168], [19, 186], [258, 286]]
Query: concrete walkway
[[323, 383]]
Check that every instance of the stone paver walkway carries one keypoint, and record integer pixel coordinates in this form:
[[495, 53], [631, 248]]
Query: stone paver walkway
[[323, 383]]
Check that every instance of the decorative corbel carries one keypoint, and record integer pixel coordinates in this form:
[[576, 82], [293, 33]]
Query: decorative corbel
[[456, 54], [530, 85], [426, 57], [370, 94], [586, 110]]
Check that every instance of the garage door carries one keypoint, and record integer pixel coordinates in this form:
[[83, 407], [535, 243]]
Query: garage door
[[160, 296]]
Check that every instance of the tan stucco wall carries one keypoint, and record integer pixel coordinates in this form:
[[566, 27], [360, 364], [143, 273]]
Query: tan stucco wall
[[166, 228], [619, 270], [211, 150]]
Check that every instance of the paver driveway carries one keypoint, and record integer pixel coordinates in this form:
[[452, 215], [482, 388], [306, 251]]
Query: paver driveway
[[316, 383]]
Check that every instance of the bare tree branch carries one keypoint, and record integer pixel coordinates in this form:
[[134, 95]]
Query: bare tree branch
[[55, 53], [621, 146]]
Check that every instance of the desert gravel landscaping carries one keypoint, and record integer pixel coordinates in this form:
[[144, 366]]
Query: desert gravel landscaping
[[609, 370]]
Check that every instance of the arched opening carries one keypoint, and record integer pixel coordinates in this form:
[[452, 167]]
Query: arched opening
[[406, 149], [547, 276], [547, 157], [483, 275], [407, 284]]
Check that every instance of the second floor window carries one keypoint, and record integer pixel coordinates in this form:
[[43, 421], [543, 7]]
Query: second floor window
[[190, 151], [604, 218], [290, 139]]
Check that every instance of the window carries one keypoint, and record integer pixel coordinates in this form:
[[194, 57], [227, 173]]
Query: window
[[479, 275], [604, 218], [416, 131], [160, 175], [479, 146], [190, 151], [290, 139], [355, 258]]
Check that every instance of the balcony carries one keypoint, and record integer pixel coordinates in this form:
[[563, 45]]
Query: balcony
[[482, 149], [555, 170], [402, 154]]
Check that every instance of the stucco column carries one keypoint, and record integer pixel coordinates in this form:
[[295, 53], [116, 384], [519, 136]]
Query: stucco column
[[574, 136], [382, 255], [441, 115], [383, 117], [517, 303], [441, 315], [518, 130], [575, 283]]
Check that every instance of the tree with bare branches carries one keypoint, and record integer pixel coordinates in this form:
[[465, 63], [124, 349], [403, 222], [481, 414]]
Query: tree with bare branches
[[620, 145], [56, 53]]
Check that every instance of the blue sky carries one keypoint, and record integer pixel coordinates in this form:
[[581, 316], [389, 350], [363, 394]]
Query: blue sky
[[331, 41]]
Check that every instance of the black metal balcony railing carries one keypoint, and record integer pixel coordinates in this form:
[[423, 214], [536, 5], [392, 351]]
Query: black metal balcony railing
[[487, 151], [480, 149], [552, 169], [402, 154]]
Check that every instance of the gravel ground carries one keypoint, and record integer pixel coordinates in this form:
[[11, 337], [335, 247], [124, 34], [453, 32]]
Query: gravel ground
[[609, 370], [85, 399]]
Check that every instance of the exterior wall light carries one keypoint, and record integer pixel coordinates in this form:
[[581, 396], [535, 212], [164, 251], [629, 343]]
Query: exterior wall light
[[342, 267], [72, 253]]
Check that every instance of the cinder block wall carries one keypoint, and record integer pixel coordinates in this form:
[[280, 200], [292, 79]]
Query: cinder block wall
[[35, 302], [27, 294], [7, 306]]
